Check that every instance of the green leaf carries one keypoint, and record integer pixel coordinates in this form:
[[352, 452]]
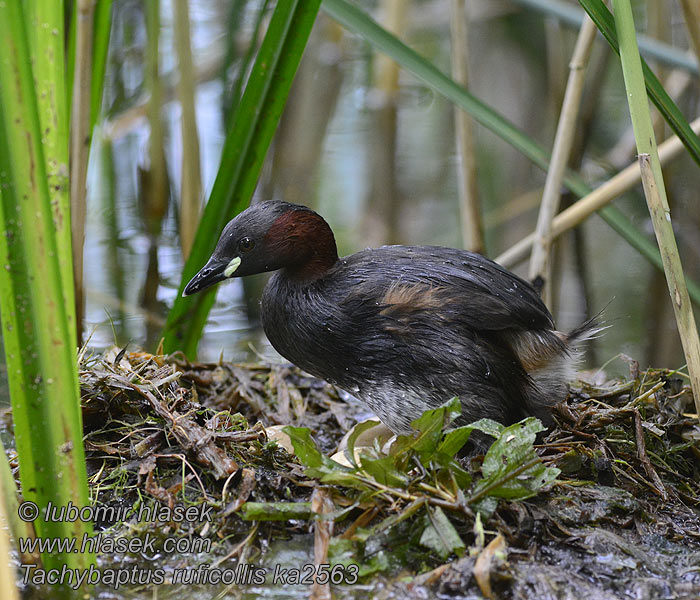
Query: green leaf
[[384, 471], [246, 145], [338, 475], [438, 417], [376, 564], [456, 438], [440, 535], [429, 427], [275, 511], [342, 551], [305, 448], [511, 467], [489, 427], [512, 448]]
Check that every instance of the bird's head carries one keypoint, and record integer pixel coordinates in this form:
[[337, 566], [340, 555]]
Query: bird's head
[[266, 237]]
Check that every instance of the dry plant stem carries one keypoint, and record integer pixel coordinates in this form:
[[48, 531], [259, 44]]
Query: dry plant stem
[[597, 199], [540, 264], [80, 149], [661, 219], [191, 185], [156, 192], [384, 202], [469, 209], [555, 40], [691, 12]]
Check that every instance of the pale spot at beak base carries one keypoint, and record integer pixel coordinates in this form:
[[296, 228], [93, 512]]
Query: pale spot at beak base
[[232, 266]]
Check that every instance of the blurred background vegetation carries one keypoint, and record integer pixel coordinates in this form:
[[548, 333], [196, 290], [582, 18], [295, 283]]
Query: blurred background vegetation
[[374, 151]]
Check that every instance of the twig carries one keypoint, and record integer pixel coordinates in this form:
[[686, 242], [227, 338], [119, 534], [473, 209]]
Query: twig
[[321, 504]]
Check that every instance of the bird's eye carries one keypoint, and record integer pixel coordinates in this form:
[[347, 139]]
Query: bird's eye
[[246, 244]]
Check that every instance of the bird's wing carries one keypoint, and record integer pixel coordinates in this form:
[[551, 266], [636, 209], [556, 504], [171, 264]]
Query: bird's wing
[[404, 283]]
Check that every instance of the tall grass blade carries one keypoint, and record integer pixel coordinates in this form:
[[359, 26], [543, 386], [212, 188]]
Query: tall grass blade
[[102, 29], [9, 499], [80, 147], [40, 356], [246, 145]]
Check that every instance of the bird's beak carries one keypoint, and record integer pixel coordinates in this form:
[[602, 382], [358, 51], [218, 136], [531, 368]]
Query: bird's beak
[[214, 271]]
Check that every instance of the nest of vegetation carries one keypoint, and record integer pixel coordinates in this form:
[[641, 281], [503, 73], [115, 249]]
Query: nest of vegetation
[[605, 506]]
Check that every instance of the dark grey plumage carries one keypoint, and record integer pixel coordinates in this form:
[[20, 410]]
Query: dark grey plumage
[[403, 328], [407, 328]]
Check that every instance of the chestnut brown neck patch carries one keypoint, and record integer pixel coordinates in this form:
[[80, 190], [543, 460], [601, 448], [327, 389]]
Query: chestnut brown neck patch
[[305, 243]]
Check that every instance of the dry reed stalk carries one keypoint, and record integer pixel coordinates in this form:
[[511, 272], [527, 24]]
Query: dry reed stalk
[[383, 209], [540, 265], [191, 182], [469, 208]]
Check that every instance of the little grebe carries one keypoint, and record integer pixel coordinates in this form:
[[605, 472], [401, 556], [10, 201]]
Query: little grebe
[[402, 328]]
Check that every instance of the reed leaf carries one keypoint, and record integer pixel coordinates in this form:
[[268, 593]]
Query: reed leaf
[[244, 151], [39, 353], [44, 22]]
